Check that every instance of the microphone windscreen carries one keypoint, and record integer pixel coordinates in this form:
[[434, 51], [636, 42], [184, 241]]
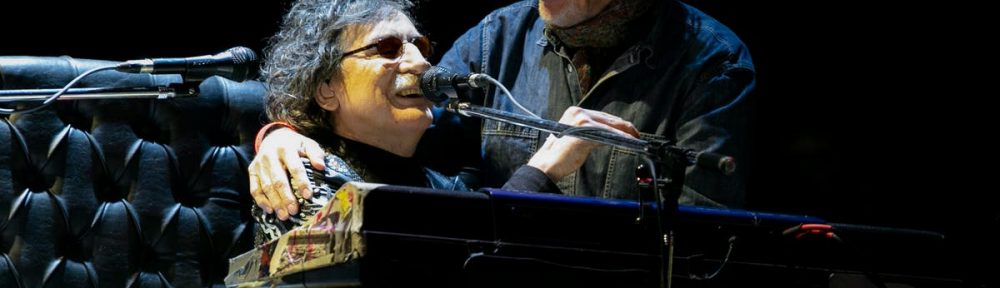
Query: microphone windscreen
[[244, 64], [431, 83]]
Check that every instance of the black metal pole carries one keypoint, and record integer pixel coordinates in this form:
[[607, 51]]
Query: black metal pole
[[161, 92]]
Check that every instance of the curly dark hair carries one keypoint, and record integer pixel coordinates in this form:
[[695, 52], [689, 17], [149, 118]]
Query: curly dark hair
[[306, 52]]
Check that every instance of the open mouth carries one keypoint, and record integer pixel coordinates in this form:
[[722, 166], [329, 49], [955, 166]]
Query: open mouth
[[410, 93]]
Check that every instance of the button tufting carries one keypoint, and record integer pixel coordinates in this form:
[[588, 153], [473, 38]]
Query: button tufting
[[130, 192]]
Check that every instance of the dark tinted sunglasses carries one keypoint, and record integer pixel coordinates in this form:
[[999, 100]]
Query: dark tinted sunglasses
[[392, 47]]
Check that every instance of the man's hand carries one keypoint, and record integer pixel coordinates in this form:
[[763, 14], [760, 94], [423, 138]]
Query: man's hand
[[562, 156], [280, 156]]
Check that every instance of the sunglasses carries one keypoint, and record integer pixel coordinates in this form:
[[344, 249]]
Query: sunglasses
[[392, 47]]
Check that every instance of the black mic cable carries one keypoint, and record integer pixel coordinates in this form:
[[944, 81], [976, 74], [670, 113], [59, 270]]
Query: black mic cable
[[439, 84], [51, 99]]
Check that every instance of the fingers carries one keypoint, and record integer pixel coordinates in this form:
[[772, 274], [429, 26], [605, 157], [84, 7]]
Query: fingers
[[278, 168], [256, 191], [620, 125], [260, 183], [580, 117], [562, 156], [300, 180], [276, 187], [290, 160], [314, 153]]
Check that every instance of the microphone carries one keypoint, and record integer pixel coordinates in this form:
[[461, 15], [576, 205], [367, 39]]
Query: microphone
[[439, 84], [237, 64]]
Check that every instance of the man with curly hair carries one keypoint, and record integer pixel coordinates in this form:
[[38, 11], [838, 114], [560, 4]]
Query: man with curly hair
[[665, 67]]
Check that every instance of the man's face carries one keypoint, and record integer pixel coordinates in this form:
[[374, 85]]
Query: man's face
[[566, 13], [379, 98]]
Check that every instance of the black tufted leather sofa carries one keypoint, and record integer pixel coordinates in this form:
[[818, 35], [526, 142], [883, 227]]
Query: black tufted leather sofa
[[116, 193]]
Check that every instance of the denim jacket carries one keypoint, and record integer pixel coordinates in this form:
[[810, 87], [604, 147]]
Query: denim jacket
[[687, 82]]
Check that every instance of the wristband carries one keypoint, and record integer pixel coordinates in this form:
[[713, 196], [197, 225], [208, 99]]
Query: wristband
[[267, 129]]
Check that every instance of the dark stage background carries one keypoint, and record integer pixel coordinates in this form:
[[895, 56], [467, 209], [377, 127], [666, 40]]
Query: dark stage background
[[864, 114]]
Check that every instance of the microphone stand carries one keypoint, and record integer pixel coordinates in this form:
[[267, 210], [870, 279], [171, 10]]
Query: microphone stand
[[597, 135], [160, 92], [665, 186]]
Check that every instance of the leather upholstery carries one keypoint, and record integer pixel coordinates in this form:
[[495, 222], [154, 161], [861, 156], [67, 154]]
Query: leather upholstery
[[114, 193]]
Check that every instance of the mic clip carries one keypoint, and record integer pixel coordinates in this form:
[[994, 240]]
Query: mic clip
[[136, 66]]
